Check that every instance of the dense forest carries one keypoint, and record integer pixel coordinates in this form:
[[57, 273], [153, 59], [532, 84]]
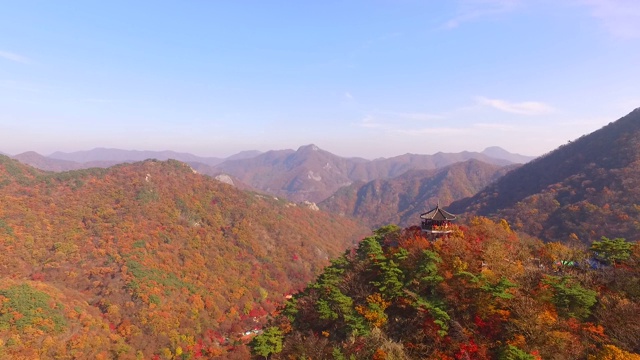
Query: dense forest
[[483, 292], [148, 260]]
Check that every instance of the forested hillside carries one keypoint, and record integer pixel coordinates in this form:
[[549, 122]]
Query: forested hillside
[[579, 191], [484, 292], [401, 200], [147, 260]]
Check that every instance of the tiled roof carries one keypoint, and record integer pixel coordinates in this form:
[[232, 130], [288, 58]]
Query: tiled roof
[[438, 214]]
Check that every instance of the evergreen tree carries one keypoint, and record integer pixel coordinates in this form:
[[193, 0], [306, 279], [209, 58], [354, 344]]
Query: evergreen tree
[[611, 250], [267, 343]]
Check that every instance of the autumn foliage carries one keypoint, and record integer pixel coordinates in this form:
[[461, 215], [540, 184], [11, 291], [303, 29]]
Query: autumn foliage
[[148, 260], [483, 292]]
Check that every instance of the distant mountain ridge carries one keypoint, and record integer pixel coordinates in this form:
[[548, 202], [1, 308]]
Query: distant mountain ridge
[[41, 162], [119, 155], [500, 153], [308, 173], [313, 174], [402, 199], [585, 189], [103, 158]]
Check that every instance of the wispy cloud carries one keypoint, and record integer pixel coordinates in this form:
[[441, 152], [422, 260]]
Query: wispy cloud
[[348, 96], [621, 18], [393, 121], [14, 57], [370, 122], [470, 129], [418, 116], [494, 126], [471, 10], [522, 108], [20, 85], [432, 131]]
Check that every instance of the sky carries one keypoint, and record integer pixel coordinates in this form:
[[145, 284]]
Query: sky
[[375, 78]]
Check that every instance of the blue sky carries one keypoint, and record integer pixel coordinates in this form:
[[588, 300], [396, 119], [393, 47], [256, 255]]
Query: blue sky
[[357, 78]]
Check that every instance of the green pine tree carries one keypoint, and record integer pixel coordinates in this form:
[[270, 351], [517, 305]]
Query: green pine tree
[[267, 343]]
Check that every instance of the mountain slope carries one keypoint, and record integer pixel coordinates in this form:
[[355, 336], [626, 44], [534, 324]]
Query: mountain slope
[[484, 292], [247, 154], [402, 199], [156, 258], [588, 188], [306, 174], [313, 174], [41, 162]]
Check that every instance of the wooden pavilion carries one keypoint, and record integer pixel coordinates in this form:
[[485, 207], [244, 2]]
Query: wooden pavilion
[[437, 221]]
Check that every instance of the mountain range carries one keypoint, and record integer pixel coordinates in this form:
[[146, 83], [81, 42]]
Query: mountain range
[[119, 155], [583, 190], [103, 157], [308, 173], [313, 174]]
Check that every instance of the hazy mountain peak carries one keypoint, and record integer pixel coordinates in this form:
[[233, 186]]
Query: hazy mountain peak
[[500, 153], [310, 147], [495, 150], [247, 154]]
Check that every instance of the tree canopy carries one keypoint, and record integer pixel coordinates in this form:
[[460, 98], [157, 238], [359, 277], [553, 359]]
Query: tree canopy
[[484, 292]]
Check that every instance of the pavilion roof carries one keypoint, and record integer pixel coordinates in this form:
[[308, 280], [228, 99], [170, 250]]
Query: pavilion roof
[[438, 214]]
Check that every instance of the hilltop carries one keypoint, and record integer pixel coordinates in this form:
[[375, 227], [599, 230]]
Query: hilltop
[[147, 258], [484, 292]]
